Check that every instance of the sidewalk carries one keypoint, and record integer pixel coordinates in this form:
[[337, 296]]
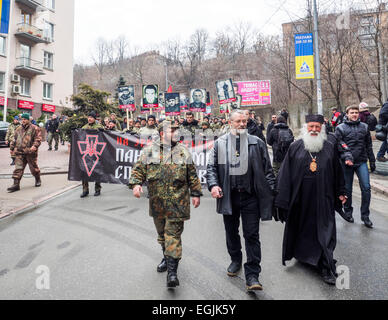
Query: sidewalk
[[54, 167], [49, 161]]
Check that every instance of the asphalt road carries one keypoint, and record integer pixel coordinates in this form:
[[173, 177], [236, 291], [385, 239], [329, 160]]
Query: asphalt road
[[105, 248]]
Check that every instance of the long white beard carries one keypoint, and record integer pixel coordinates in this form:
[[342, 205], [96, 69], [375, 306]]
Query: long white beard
[[313, 143]]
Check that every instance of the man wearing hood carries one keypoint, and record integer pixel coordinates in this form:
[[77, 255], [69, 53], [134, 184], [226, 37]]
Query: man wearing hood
[[367, 117], [356, 136], [310, 185], [280, 138]]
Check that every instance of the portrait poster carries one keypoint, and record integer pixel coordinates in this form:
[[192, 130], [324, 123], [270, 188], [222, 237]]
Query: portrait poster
[[225, 91], [172, 107], [150, 96], [198, 100], [126, 95]]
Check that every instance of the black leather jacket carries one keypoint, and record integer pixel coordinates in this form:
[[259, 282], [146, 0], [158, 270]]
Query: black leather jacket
[[259, 167], [356, 136]]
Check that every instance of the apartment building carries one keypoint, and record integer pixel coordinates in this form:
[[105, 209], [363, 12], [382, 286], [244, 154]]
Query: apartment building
[[41, 40]]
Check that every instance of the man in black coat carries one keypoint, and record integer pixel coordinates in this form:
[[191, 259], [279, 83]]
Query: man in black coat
[[270, 126], [356, 136], [253, 127], [310, 184], [240, 177], [280, 138], [53, 132], [383, 120]]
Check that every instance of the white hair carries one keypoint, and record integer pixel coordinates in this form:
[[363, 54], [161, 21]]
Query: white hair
[[313, 143]]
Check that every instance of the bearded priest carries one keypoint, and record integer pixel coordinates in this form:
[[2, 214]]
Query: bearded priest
[[309, 184]]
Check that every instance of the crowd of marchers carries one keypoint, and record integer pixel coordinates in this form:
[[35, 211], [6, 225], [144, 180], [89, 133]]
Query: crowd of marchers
[[307, 181]]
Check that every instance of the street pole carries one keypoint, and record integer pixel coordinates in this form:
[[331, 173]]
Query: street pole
[[383, 79], [317, 60], [165, 64], [8, 63]]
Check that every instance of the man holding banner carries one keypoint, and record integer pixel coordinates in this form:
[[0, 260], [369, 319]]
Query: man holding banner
[[92, 125], [168, 169]]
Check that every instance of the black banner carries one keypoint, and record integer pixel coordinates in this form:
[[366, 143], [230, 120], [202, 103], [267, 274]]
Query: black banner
[[108, 156]]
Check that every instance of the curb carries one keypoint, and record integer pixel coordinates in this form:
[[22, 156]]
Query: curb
[[379, 188], [35, 203], [29, 175]]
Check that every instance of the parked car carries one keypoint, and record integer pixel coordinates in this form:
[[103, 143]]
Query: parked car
[[3, 132]]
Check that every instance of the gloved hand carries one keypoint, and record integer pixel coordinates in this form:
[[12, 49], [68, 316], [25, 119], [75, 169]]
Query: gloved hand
[[372, 166], [101, 129]]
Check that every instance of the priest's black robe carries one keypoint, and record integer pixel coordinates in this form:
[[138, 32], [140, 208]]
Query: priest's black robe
[[307, 200]]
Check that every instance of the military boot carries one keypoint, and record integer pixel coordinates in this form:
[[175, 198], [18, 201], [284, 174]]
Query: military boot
[[13, 162], [38, 182], [162, 267], [15, 187], [172, 276]]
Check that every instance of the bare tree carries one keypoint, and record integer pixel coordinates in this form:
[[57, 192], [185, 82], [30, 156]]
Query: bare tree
[[99, 56]]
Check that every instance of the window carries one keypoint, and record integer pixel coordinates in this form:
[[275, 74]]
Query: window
[[25, 55], [25, 85], [2, 81], [2, 46], [50, 4], [47, 91], [26, 18], [48, 60], [49, 31]]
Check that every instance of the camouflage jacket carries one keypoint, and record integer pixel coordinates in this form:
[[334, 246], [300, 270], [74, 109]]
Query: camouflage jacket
[[94, 126], [11, 132], [25, 139], [148, 131], [171, 177]]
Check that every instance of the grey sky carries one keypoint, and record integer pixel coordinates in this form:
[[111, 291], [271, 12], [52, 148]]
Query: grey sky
[[151, 22]]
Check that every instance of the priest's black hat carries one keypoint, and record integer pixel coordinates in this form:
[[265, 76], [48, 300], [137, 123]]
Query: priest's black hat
[[315, 118]]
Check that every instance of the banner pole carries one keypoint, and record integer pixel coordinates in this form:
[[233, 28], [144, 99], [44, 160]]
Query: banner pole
[[127, 118]]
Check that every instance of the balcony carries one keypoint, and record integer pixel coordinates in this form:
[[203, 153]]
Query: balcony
[[32, 4], [29, 67], [31, 33]]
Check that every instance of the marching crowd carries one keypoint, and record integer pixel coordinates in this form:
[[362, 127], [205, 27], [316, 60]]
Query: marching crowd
[[307, 181]]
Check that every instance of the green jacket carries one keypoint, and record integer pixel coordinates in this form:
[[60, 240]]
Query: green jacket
[[171, 178], [94, 126]]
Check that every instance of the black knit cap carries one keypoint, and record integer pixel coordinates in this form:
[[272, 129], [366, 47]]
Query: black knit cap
[[92, 114], [315, 118]]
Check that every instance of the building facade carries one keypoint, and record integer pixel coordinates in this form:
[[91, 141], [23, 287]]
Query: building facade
[[41, 40]]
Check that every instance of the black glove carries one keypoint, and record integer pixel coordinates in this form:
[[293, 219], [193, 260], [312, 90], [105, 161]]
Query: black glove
[[372, 166], [101, 129]]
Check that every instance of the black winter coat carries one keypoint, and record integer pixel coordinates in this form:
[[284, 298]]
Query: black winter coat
[[278, 155], [259, 166], [383, 117], [53, 126], [356, 136], [255, 130], [269, 128]]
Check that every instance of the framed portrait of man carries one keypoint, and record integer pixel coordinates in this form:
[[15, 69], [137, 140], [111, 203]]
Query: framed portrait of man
[[225, 91], [184, 102], [126, 95], [150, 96], [198, 100], [172, 107]]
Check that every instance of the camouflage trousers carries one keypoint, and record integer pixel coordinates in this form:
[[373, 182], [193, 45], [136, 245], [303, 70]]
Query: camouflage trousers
[[21, 163], [169, 236], [85, 186], [52, 136]]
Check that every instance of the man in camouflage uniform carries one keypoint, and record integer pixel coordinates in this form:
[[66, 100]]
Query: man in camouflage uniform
[[24, 145], [150, 130], [117, 122], [92, 125], [11, 135], [171, 175]]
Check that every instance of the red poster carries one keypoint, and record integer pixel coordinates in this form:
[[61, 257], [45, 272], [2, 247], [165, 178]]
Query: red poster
[[22, 104], [48, 108]]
